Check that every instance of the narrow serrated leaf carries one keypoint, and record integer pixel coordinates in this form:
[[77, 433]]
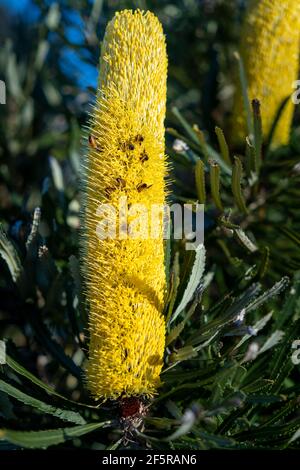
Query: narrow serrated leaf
[[237, 172], [245, 240], [19, 369], [279, 113], [269, 294], [10, 256], [200, 181], [57, 174]]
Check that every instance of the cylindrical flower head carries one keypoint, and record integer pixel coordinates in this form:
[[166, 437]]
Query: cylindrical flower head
[[126, 166], [270, 51]]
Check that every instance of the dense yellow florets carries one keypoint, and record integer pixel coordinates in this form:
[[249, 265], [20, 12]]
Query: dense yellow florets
[[270, 51], [126, 278]]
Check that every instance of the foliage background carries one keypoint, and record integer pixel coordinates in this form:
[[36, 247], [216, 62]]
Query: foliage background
[[48, 60]]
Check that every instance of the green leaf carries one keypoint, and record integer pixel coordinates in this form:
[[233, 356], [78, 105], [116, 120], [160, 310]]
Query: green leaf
[[27, 113], [41, 54], [197, 137], [295, 436], [5, 445], [60, 413], [175, 332], [208, 151], [202, 142], [275, 123], [257, 385], [168, 251], [51, 93], [245, 240], [234, 261], [10, 256], [25, 373], [263, 399], [13, 76], [43, 336], [223, 145], [272, 433], [74, 317], [264, 264], [291, 305], [258, 133], [193, 283], [237, 173], [74, 267], [45, 439], [269, 294], [185, 124], [185, 427], [6, 407], [244, 88], [53, 16], [215, 184], [259, 325], [96, 11], [291, 234], [200, 181], [34, 227]]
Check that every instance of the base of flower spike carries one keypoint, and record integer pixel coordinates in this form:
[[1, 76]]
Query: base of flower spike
[[132, 411]]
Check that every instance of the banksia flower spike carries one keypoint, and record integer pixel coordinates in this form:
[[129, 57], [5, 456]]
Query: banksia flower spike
[[126, 165], [270, 52]]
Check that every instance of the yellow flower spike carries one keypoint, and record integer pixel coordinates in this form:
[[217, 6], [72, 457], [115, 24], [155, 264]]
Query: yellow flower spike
[[270, 52], [125, 278]]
